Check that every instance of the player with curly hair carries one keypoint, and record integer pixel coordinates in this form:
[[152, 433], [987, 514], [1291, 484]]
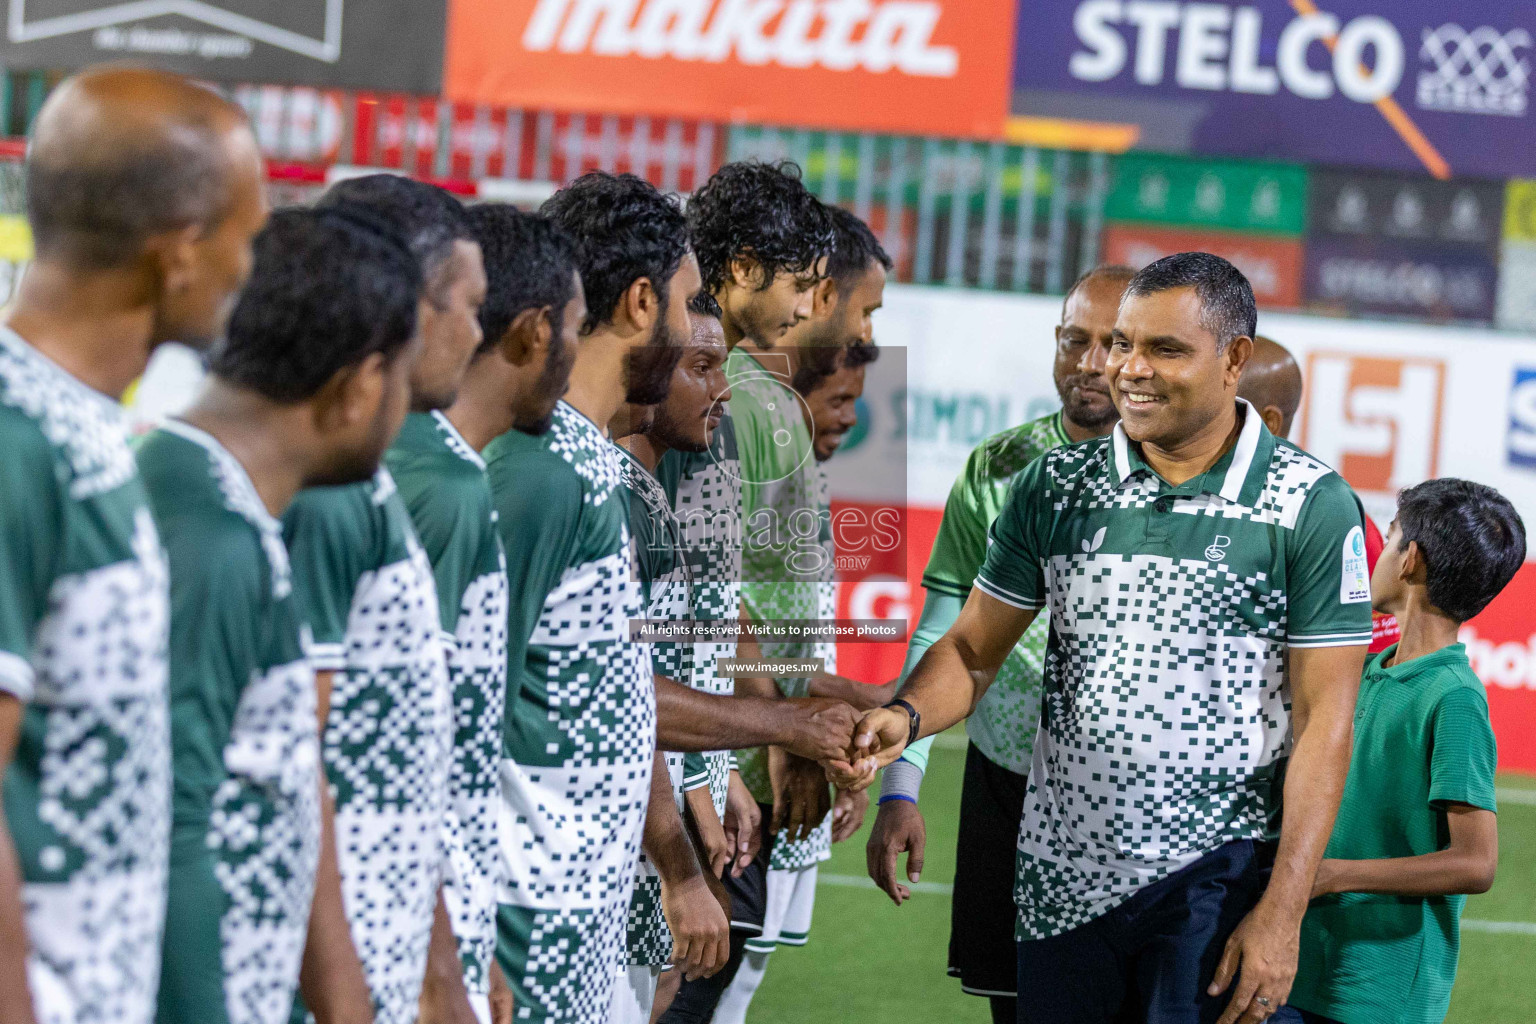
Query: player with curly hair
[[761, 239]]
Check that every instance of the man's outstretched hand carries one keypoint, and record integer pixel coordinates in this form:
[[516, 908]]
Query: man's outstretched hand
[[823, 728], [879, 739]]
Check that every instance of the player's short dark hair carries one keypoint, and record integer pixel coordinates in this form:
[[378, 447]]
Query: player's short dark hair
[[1471, 537], [429, 218], [860, 354], [529, 263], [330, 287], [854, 247], [625, 229], [704, 304], [761, 212], [1117, 272], [98, 213], [1227, 308]]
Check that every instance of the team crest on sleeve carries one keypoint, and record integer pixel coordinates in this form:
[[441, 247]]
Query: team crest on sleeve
[[1355, 581]]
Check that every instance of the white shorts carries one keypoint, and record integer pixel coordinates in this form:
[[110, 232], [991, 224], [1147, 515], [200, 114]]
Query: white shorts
[[633, 995], [787, 919]]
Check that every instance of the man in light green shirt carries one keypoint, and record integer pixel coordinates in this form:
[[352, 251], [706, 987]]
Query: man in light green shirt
[[1002, 729]]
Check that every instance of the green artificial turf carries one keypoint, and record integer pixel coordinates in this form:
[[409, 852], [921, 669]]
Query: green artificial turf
[[869, 961]]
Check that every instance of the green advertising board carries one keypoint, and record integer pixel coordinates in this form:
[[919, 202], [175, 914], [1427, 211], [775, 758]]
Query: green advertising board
[[1270, 198]]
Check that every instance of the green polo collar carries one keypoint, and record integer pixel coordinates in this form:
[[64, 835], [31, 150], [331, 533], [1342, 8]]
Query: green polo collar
[[1238, 476], [1455, 654]]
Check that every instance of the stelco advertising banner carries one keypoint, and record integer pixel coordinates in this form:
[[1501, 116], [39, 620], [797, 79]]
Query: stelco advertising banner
[[380, 44], [1416, 85], [911, 66]]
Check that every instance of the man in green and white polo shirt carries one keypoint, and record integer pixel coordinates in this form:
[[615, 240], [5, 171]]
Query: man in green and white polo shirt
[[1002, 728], [143, 193], [1209, 608], [531, 311], [308, 384], [367, 587], [580, 731]]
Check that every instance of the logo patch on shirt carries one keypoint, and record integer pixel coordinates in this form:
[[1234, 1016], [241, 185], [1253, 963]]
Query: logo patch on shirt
[[1355, 582], [1098, 541], [1218, 549]]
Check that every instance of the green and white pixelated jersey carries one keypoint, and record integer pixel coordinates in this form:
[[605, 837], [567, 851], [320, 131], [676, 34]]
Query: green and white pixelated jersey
[[580, 732], [667, 583], [784, 563], [245, 746], [1166, 718], [1005, 720], [443, 484], [705, 491], [366, 586], [84, 618]]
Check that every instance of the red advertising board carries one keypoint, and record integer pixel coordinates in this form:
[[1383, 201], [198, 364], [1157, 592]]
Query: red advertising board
[[1273, 265], [1502, 645], [908, 66]]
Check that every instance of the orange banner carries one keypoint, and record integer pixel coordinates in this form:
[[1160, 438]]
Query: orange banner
[[937, 67]]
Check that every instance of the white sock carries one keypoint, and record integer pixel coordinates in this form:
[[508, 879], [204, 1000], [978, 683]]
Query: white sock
[[738, 995]]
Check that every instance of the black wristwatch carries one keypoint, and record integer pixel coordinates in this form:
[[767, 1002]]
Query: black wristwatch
[[916, 719]]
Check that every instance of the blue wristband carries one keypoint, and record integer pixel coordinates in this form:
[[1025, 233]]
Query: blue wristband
[[887, 798]]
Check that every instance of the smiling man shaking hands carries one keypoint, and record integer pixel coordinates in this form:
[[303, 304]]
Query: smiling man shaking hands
[[1198, 571]]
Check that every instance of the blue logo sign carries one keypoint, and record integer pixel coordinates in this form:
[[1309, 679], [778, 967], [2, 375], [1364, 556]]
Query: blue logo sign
[[1522, 418]]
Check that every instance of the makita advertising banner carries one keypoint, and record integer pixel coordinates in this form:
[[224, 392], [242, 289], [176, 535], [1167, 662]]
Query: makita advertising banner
[[1418, 85], [936, 67], [394, 45]]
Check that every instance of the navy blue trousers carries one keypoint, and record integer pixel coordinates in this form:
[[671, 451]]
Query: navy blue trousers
[[1149, 960]]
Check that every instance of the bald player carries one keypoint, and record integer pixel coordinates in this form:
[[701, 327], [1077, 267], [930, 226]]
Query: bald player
[[1272, 382], [143, 192]]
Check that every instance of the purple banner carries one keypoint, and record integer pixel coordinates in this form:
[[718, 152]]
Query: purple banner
[[1415, 85], [1391, 277]]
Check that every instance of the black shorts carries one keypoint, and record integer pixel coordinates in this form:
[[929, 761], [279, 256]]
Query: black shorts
[[982, 953], [749, 893]]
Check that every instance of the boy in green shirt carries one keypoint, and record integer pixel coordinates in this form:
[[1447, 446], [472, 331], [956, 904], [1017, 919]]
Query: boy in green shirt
[[1416, 829]]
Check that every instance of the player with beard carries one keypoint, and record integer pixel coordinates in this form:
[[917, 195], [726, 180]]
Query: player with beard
[[530, 325], [307, 387], [523, 362], [782, 485], [759, 235], [579, 736], [1002, 729], [144, 191], [670, 920], [361, 575]]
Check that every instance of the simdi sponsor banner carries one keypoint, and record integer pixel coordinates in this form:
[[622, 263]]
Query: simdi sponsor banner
[[920, 66], [382, 44], [1403, 84], [1272, 265]]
